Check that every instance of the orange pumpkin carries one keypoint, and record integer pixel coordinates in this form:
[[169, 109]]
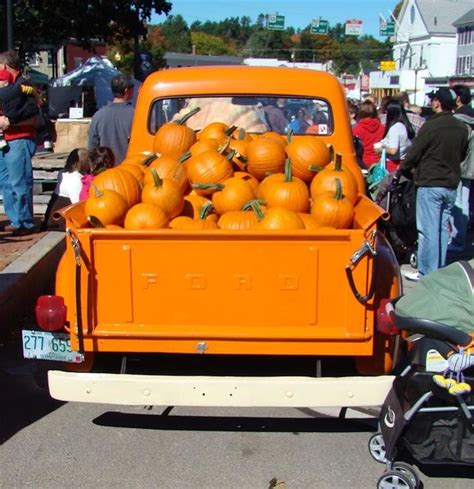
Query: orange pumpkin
[[168, 167], [309, 221], [164, 193], [304, 152], [145, 216], [232, 195], [137, 170], [265, 156], [280, 218], [199, 223], [193, 205], [174, 138], [247, 218], [252, 181], [107, 206], [275, 136], [325, 181], [122, 182], [284, 190], [217, 131], [208, 167], [333, 209], [203, 145]]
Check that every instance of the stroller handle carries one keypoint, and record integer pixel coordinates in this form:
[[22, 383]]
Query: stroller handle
[[431, 329]]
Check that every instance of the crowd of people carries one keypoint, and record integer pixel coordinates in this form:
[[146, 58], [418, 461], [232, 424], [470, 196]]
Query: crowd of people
[[436, 153]]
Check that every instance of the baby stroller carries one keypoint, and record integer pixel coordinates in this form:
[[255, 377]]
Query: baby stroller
[[428, 415], [397, 195]]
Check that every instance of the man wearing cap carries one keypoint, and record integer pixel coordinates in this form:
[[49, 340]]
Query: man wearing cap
[[434, 159]]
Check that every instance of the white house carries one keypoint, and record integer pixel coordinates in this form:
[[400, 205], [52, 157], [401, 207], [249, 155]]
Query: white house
[[465, 44]]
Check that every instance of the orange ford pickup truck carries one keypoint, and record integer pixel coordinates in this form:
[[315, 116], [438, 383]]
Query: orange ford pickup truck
[[215, 293]]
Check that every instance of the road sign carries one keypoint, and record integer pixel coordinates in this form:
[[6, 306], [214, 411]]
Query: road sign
[[319, 26], [388, 65], [387, 28], [353, 27], [276, 22]]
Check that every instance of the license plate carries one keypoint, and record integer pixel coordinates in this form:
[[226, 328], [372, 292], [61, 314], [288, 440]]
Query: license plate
[[45, 345]]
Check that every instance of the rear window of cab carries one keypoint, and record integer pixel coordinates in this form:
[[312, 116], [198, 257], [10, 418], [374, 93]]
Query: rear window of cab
[[254, 114]]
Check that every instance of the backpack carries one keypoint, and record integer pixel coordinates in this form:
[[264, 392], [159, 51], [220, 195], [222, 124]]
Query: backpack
[[467, 165]]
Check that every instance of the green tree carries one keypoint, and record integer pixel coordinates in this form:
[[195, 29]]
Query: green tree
[[177, 34], [210, 45], [52, 22]]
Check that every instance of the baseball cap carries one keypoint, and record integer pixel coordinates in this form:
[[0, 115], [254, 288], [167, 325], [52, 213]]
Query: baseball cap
[[6, 76], [445, 95]]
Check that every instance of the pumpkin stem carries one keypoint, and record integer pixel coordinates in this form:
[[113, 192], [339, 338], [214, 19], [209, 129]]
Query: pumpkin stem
[[97, 191], [230, 130], [230, 154], [158, 182], [290, 135], [149, 159], [208, 186], [339, 195], [248, 205], [95, 222], [255, 205], [331, 152], [184, 157], [288, 174], [223, 148], [205, 210], [338, 163], [315, 168], [183, 119], [241, 158], [241, 134]]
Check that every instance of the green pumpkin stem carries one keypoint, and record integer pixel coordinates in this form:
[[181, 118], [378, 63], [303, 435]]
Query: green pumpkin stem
[[184, 157], [338, 163], [95, 222], [158, 182], [248, 205], [230, 130], [205, 210], [339, 195], [331, 152], [315, 168], [288, 173], [230, 154], [150, 159], [255, 205], [290, 135], [241, 134], [184, 119], [224, 147], [208, 186]]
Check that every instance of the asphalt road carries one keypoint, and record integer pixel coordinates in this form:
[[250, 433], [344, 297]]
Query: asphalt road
[[48, 444]]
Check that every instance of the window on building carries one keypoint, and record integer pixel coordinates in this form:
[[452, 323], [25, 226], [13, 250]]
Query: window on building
[[34, 60], [412, 14], [50, 58]]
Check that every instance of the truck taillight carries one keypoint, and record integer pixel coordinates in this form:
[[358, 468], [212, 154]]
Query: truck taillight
[[50, 312]]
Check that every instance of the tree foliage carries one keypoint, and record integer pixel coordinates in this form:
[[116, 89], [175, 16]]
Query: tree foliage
[[177, 34], [42, 22]]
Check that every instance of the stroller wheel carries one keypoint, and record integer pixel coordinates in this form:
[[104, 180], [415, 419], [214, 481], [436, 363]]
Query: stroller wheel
[[377, 448], [407, 470], [414, 259], [393, 479]]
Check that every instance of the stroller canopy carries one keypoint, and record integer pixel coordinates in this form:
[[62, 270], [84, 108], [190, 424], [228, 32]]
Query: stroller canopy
[[446, 296]]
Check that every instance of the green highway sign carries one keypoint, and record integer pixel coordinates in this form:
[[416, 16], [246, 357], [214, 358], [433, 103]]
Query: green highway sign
[[319, 26], [276, 22], [387, 28]]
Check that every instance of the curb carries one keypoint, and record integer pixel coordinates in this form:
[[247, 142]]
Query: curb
[[30, 275]]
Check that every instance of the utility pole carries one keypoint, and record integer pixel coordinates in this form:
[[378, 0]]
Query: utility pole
[[9, 25]]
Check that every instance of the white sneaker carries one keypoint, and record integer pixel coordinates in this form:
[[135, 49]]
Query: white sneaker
[[413, 276]]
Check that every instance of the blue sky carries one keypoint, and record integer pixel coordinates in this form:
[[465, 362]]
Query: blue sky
[[298, 13]]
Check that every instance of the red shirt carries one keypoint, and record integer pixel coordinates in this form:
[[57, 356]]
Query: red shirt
[[19, 132], [369, 131]]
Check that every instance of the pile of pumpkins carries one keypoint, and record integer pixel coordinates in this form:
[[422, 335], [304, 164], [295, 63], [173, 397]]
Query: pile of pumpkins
[[223, 178]]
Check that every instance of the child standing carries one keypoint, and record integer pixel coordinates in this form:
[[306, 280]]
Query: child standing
[[101, 159], [68, 187]]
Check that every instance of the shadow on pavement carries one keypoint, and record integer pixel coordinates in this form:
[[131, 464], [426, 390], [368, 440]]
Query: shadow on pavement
[[322, 424], [24, 394]]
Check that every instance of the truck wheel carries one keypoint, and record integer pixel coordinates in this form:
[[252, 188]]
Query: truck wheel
[[377, 448]]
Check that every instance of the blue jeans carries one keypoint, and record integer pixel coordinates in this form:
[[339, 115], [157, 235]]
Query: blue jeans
[[460, 219], [433, 211], [16, 182]]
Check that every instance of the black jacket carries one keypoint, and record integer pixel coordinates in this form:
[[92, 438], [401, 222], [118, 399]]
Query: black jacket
[[437, 151], [16, 105]]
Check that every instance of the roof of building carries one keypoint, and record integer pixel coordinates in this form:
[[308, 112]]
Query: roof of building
[[439, 15], [466, 19]]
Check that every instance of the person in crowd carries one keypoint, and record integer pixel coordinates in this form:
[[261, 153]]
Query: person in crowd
[[382, 110], [275, 115], [68, 187], [434, 161], [412, 111], [461, 209], [101, 159], [397, 135], [353, 110], [111, 125], [17, 102], [318, 116], [370, 131], [299, 124], [16, 171]]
